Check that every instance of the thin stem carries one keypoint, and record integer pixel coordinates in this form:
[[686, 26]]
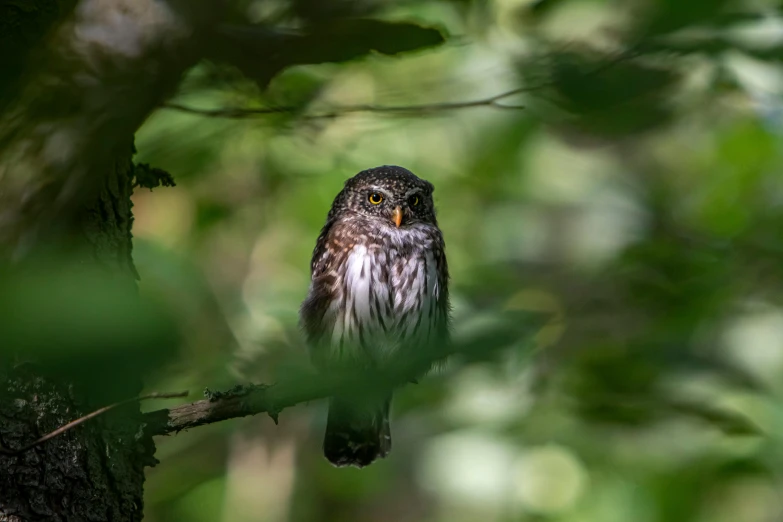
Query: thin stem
[[239, 113], [81, 420]]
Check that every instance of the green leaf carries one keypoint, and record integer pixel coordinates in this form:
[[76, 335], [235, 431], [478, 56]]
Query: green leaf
[[729, 422], [343, 40], [260, 53], [607, 96]]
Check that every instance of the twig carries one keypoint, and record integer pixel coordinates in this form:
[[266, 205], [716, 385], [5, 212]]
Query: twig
[[239, 113], [491, 101], [247, 400], [81, 420]]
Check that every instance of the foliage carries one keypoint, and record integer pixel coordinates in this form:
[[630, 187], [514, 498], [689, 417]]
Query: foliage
[[634, 203]]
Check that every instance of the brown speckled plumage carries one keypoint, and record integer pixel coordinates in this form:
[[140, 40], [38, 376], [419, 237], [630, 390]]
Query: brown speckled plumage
[[379, 290]]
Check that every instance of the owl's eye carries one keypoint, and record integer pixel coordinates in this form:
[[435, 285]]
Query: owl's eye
[[375, 198], [413, 201]]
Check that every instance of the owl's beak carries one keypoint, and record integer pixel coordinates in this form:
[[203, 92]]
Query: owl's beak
[[397, 216]]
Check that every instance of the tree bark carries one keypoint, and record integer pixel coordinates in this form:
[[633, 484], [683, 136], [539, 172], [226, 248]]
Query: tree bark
[[95, 471], [82, 76]]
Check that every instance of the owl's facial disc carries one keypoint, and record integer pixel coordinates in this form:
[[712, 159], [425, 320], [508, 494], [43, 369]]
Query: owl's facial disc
[[388, 198]]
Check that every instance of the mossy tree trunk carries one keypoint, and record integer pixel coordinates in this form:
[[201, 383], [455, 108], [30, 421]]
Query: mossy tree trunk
[[95, 471], [79, 77]]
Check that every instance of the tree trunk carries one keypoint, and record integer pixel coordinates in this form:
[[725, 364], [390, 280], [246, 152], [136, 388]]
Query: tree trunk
[[82, 76], [95, 471]]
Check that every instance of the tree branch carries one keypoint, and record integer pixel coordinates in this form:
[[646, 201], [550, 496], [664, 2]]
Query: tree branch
[[240, 113], [81, 420], [245, 400], [416, 109]]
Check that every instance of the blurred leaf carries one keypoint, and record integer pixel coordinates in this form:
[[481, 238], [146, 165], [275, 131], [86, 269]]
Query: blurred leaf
[[731, 423], [320, 11], [261, 53], [611, 96], [210, 213], [295, 87], [84, 325], [542, 7], [745, 154], [669, 15]]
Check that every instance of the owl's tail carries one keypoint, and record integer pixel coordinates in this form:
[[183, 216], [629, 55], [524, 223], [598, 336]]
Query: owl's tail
[[357, 432]]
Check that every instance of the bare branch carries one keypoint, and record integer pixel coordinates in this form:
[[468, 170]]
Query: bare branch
[[416, 109], [240, 113], [244, 400], [81, 420]]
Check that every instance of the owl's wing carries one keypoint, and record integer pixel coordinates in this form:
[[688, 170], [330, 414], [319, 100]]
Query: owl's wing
[[313, 314], [443, 325]]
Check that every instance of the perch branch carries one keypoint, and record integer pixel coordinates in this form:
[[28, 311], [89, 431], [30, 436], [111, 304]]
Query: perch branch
[[81, 420], [252, 399]]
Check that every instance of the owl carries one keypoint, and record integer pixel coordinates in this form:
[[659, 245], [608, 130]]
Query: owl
[[378, 293]]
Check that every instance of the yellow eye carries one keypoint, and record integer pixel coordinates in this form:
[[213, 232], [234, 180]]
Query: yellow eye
[[413, 201], [375, 198]]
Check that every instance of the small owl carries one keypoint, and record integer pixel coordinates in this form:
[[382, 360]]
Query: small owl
[[378, 292]]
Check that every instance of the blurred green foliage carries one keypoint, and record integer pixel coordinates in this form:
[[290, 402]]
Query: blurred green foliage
[[81, 324], [635, 202]]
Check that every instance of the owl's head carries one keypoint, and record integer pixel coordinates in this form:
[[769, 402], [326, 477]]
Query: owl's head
[[388, 195]]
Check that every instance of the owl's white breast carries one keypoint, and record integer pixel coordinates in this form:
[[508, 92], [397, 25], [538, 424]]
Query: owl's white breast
[[376, 312]]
